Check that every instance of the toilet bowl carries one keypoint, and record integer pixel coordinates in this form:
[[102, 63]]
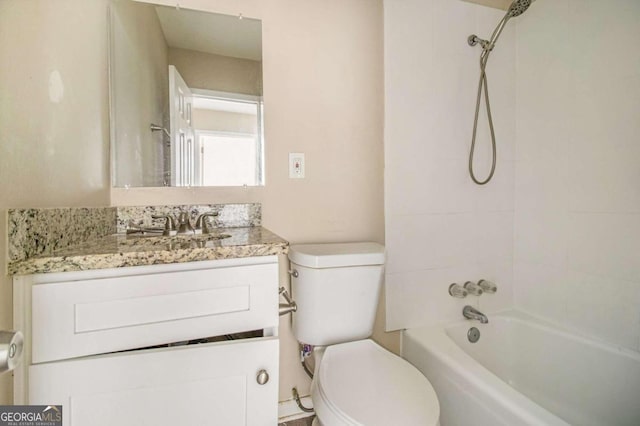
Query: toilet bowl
[[356, 381], [361, 383]]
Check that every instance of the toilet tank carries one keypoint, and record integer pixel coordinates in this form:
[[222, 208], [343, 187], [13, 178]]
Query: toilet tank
[[336, 288]]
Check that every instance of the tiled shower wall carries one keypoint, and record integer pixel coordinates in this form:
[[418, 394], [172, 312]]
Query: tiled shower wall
[[558, 228], [577, 188], [440, 227]]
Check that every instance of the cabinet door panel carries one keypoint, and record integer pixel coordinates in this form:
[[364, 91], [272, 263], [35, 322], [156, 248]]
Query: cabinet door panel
[[211, 384], [93, 316], [207, 402]]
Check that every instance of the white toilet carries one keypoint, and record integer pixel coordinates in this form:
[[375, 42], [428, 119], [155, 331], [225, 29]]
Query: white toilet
[[356, 382]]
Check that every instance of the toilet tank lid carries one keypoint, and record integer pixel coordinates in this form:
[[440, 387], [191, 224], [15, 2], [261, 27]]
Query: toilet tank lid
[[336, 255]]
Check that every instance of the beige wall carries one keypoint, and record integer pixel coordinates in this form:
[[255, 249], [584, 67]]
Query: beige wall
[[54, 122], [498, 4], [323, 91], [215, 72], [323, 85]]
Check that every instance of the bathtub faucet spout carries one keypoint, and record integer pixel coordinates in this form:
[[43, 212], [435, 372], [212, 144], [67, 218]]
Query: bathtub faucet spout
[[470, 312]]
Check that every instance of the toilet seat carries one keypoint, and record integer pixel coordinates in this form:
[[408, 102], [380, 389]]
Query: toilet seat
[[360, 383]]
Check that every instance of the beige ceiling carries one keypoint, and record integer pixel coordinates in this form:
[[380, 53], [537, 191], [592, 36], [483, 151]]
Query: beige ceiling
[[498, 4], [211, 32]]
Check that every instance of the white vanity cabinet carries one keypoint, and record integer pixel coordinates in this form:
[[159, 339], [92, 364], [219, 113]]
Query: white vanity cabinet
[[102, 343]]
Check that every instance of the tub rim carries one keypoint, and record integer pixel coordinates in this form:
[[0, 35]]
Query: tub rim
[[446, 351]]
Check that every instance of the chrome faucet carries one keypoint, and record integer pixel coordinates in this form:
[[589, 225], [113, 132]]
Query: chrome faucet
[[184, 224], [201, 227], [169, 226], [201, 223], [470, 312]]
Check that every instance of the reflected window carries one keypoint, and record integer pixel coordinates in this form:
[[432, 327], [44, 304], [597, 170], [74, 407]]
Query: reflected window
[[228, 160], [228, 138]]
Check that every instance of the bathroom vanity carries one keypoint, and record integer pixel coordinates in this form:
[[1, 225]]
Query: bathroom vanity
[[151, 336]]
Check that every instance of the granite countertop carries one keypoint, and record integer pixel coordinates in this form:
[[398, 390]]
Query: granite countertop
[[115, 251]]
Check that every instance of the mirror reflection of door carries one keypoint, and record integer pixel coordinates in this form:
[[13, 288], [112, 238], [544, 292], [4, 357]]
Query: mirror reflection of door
[[216, 137], [182, 134], [157, 49]]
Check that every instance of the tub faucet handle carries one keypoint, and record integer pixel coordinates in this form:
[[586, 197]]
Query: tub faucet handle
[[456, 290], [473, 288], [487, 286]]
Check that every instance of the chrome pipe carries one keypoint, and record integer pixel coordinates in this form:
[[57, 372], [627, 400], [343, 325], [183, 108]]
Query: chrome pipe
[[290, 306], [156, 128]]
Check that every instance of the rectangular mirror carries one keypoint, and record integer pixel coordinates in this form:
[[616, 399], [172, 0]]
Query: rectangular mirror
[[186, 97]]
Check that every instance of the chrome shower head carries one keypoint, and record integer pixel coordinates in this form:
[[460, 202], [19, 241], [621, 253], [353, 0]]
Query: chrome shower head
[[518, 7]]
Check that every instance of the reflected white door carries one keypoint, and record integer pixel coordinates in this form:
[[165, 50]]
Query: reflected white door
[[182, 134]]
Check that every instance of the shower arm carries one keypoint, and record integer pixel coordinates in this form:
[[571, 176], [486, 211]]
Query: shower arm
[[488, 45]]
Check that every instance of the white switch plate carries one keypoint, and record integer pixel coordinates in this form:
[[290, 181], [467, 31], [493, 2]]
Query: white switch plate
[[296, 165]]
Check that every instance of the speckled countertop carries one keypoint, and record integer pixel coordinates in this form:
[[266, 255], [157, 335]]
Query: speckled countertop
[[115, 251]]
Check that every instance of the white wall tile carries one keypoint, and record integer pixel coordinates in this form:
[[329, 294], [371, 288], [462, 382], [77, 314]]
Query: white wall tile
[[599, 305], [541, 290], [577, 199], [605, 244], [541, 184], [453, 22], [498, 194], [604, 148], [542, 98], [454, 85], [430, 288], [558, 228], [501, 274], [422, 297], [540, 237], [408, 20], [542, 83], [440, 227], [422, 186], [429, 241], [604, 36], [493, 237]]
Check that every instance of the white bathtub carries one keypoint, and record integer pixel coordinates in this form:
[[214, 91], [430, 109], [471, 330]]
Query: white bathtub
[[525, 372]]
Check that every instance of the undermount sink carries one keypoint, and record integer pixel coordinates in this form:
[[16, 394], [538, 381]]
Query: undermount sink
[[172, 242]]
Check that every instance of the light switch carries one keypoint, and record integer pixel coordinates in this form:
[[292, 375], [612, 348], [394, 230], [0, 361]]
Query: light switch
[[296, 165]]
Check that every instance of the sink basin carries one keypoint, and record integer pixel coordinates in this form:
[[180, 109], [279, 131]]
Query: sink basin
[[182, 241]]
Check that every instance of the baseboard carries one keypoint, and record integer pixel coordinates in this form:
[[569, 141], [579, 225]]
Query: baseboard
[[288, 410]]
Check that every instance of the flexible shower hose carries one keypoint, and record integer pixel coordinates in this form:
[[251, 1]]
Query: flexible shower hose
[[482, 83]]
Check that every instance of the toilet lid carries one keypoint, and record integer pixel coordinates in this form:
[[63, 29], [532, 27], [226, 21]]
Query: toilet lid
[[363, 383]]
